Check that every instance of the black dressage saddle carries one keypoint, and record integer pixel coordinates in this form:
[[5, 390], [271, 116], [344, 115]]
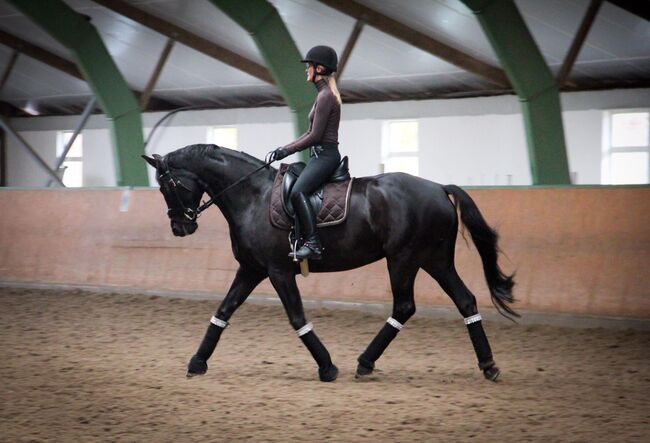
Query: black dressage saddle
[[342, 173]]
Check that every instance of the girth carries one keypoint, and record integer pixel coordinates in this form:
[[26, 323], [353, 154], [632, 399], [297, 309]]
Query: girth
[[341, 173]]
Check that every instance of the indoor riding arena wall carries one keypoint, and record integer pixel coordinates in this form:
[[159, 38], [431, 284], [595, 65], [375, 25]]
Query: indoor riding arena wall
[[580, 250]]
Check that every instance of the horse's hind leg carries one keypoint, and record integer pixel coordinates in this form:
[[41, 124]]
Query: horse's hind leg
[[402, 278], [465, 301], [285, 284], [245, 281]]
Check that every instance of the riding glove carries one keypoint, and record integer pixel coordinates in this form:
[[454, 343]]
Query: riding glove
[[279, 154]]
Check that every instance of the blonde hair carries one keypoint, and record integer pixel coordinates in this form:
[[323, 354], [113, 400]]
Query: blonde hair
[[331, 82]]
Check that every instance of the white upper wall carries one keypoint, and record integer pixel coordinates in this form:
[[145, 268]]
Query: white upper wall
[[22, 169], [474, 150], [473, 141], [584, 132]]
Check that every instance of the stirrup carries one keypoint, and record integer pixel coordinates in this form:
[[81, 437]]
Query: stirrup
[[309, 251], [293, 245]]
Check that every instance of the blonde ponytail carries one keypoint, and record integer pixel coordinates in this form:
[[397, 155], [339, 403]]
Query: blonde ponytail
[[331, 82]]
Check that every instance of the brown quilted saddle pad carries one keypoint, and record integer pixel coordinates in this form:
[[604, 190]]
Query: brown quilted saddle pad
[[334, 210]]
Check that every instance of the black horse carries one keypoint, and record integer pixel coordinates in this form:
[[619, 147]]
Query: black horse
[[410, 221]]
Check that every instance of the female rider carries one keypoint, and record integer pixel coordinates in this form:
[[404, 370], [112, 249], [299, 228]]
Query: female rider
[[322, 138]]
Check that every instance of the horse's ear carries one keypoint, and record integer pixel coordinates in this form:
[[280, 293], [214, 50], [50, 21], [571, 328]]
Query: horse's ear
[[151, 161]]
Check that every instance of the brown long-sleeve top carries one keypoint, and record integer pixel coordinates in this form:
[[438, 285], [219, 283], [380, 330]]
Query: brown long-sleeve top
[[324, 121]]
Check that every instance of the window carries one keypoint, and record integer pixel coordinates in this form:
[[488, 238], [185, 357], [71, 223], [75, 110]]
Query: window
[[224, 136], [400, 147], [72, 167], [626, 151]]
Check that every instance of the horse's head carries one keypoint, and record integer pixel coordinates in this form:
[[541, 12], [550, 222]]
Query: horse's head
[[182, 192]]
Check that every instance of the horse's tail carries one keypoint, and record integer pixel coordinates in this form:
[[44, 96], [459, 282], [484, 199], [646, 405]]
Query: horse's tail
[[485, 238]]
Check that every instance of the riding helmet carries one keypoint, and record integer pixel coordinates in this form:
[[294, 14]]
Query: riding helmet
[[322, 55]]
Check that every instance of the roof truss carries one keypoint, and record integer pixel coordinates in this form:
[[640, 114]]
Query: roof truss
[[637, 7], [189, 39], [349, 46], [578, 41], [61, 64], [40, 54], [419, 40]]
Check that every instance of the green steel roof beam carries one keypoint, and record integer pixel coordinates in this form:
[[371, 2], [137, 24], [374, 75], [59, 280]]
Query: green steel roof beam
[[280, 53], [534, 84], [74, 32]]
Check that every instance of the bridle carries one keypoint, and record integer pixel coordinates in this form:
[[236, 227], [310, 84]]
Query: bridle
[[174, 183], [193, 214]]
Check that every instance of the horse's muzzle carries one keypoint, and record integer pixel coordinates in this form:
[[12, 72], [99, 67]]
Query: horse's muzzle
[[183, 228]]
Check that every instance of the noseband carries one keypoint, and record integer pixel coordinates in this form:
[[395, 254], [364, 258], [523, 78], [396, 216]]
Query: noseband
[[189, 213]]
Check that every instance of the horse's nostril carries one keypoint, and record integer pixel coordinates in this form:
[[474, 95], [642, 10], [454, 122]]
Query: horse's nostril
[[181, 229]]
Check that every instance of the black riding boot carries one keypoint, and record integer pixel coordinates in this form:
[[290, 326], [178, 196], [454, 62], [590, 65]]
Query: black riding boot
[[311, 248]]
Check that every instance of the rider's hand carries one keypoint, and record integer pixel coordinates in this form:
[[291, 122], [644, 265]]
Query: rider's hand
[[278, 154]]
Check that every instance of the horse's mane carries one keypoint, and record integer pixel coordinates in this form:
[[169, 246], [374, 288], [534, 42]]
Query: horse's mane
[[182, 155]]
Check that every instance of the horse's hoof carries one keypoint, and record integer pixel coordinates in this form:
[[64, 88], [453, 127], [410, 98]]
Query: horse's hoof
[[328, 374], [196, 366], [492, 373], [363, 371]]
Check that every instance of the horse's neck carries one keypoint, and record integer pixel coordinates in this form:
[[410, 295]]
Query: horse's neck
[[242, 197]]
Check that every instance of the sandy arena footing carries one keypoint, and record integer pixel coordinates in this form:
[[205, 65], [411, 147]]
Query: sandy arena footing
[[83, 366]]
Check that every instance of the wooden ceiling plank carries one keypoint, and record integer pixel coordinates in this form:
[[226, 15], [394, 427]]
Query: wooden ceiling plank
[[578, 41], [189, 39], [10, 67], [54, 61], [40, 54], [420, 40], [639, 8], [148, 90], [349, 46]]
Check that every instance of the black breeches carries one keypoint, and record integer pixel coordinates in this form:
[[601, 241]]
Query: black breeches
[[316, 173]]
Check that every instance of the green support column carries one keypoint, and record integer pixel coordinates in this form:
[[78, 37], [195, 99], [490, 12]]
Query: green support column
[[532, 81], [280, 53], [74, 32]]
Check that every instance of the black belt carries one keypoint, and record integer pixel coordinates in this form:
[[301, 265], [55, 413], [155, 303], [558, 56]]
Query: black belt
[[317, 149]]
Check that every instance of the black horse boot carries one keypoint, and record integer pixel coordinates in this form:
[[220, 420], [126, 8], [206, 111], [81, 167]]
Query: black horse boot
[[311, 248]]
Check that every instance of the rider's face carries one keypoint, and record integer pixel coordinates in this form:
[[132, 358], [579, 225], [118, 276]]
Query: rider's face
[[310, 70]]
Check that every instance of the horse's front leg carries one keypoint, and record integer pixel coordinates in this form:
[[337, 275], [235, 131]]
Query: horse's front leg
[[285, 284], [245, 281], [402, 278]]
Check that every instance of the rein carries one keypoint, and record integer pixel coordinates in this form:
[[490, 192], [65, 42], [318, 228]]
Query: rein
[[193, 214]]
